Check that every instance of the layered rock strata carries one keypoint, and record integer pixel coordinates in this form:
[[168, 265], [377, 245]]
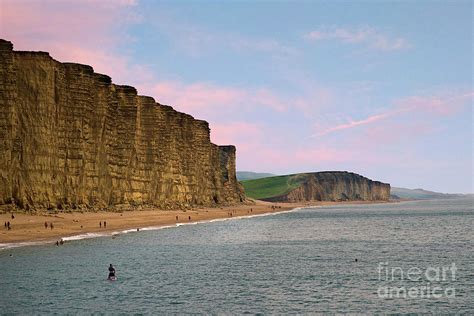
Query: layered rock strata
[[69, 138], [334, 186]]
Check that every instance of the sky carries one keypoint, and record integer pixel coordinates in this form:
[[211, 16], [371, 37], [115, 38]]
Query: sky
[[380, 88]]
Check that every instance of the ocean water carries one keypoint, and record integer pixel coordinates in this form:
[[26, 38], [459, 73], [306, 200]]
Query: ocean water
[[302, 261]]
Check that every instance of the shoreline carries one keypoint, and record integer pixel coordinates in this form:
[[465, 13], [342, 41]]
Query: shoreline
[[29, 229]]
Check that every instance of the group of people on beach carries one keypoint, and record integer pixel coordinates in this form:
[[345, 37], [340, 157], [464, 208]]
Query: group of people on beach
[[8, 225], [231, 213], [105, 224], [177, 218], [50, 225]]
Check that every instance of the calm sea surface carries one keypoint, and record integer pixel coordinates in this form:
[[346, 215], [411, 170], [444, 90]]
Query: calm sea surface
[[297, 262]]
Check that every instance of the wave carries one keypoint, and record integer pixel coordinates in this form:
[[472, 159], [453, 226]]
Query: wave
[[85, 236], [6, 246]]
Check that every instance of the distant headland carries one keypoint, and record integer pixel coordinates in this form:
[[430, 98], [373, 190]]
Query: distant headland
[[317, 186]]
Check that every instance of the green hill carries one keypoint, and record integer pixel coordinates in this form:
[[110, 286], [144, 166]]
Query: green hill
[[272, 186]]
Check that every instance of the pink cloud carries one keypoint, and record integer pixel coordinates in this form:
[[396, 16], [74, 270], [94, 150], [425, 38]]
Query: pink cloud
[[352, 124], [309, 158], [87, 32], [33, 23], [249, 138], [391, 133], [204, 99], [195, 96], [414, 107], [394, 138], [256, 146], [362, 35], [240, 133], [268, 98], [441, 104]]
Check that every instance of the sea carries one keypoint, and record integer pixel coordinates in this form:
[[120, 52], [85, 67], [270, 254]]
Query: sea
[[407, 257]]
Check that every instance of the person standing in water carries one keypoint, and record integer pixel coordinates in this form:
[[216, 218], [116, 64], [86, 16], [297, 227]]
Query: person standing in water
[[111, 272]]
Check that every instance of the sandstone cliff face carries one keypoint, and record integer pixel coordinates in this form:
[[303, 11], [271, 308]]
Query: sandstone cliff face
[[71, 138], [336, 186]]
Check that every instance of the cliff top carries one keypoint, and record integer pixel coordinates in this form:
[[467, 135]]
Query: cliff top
[[7, 46]]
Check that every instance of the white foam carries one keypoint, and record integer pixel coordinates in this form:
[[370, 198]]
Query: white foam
[[157, 227], [190, 223], [7, 246], [85, 236]]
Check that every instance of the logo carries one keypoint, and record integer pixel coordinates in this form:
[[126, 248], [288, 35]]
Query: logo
[[428, 282]]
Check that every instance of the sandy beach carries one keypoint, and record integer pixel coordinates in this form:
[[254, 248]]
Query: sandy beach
[[29, 228]]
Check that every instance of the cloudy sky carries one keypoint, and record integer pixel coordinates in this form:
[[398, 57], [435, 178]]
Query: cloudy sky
[[379, 88]]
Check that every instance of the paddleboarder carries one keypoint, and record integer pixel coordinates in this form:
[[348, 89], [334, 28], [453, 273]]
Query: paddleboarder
[[111, 272]]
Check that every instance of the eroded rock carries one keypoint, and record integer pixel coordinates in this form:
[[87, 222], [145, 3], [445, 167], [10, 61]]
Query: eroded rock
[[335, 186], [70, 138]]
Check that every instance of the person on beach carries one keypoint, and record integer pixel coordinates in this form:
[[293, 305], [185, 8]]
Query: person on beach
[[100, 224], [51, 225], [176, 217], [111, 271], [46, 225], [61, 242], [57, 242], [189, 217], [8, 226], [13, 216], [5, 224], [105, 224]]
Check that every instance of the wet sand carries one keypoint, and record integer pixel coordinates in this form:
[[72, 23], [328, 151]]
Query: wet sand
[[31, 228]]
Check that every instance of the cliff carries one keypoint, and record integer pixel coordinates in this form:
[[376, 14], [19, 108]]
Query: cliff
[[318, 186], [71, 138]]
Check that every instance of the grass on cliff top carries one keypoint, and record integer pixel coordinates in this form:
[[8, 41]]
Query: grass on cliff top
[[272, 186]]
